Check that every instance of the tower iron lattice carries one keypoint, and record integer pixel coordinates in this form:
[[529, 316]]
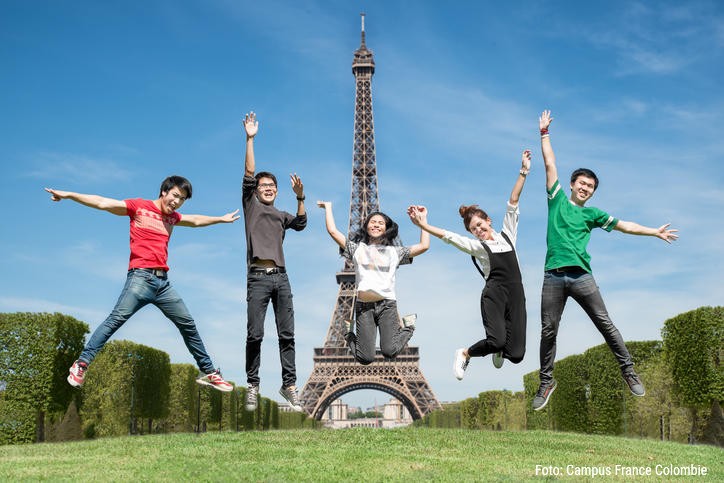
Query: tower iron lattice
[[335, 371]]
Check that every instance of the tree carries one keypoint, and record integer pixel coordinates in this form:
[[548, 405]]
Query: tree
[[694, 347]]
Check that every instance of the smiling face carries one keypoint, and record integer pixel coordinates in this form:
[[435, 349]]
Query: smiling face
[[376, 227], [171, 200], [266, 190], [582, 189], [480, 228]]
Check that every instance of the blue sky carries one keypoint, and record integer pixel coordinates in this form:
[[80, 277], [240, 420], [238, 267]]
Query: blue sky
[[110, 98]]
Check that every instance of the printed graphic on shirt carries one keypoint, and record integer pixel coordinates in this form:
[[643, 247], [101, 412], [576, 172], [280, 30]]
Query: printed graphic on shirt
[[153, 221]]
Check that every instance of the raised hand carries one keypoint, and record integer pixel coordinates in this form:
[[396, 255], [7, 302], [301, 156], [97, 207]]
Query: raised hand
[[297, 185], [667, 235], [251, 125], [527, 155], [417, 214], [324, 204], [545, 120]]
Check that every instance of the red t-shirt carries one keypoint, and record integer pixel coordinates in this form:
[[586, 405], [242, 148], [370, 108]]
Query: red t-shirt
[[150, 232]]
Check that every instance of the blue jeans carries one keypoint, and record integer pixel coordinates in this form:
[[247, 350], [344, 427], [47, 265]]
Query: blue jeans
[[142, 288], [261, 288], [370, 315], [557, 287]]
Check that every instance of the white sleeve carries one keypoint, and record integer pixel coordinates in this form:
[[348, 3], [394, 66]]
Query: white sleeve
[[510, 222], [471, 246]]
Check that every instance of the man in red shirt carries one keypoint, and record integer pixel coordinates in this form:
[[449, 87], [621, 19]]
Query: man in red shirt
[[152, 222]]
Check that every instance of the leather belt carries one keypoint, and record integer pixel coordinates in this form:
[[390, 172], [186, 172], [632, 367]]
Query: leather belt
[[267, 271], [156, 271]]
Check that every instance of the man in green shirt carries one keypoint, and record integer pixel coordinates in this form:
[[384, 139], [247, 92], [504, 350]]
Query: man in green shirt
[[568, 266]]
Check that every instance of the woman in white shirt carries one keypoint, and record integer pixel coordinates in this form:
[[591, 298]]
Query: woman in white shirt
[[376, 259], [502, 302]]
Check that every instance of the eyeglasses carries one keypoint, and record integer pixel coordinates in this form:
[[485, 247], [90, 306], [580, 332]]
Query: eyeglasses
[[266, 185]]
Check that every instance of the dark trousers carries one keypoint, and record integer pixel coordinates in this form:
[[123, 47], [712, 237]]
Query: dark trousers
[[557, 287], [504, 317], [370, 315], [260, 289]]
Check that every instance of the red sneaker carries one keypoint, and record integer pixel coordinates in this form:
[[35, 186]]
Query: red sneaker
[[215, 380], [77, 373]]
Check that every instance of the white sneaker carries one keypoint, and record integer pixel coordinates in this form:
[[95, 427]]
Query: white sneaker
[[498, 360], [460, 364], [409, 320]]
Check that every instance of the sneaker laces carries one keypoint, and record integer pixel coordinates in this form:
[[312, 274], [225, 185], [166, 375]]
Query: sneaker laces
[[251, 393], [542, 390]]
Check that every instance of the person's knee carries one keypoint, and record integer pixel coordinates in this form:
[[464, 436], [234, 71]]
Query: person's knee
[[517, 357], [365, 360]]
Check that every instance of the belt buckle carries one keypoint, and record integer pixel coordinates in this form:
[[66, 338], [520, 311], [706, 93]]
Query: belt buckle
[[271, 270]]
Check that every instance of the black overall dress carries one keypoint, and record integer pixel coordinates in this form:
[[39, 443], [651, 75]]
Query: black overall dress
[[502, 305]]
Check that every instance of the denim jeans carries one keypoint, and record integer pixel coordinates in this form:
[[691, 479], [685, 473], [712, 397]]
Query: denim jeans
[[557, 287], [143, 288], [369, 316], [260, 289]]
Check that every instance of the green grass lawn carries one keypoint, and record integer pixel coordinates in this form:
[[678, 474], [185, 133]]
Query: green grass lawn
[[410, 454]]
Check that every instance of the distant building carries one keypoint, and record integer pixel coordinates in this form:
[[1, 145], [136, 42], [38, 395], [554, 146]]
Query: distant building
[[394, 415]]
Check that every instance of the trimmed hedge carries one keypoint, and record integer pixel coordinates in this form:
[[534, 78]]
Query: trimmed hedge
[[36, 350]]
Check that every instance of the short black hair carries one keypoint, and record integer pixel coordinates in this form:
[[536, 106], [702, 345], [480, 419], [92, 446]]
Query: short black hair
[[265, 174], [587, 173], [179, 182]]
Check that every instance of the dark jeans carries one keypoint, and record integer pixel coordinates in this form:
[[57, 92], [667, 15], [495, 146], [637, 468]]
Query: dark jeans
[[260, 289], [370, 315], [557, 287], [142, 288]]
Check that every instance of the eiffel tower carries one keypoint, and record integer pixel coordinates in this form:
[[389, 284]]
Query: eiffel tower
[[335, 370]]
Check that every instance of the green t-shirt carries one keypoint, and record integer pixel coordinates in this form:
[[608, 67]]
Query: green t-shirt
[[569, 230]]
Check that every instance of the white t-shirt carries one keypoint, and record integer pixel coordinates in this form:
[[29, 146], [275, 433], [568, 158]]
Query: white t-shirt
[[475, 247], [375, 266]]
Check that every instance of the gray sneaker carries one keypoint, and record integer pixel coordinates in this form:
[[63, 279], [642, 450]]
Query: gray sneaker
[[543, 395], [634, 383], [498, 360], [290, 394], [252, 394]]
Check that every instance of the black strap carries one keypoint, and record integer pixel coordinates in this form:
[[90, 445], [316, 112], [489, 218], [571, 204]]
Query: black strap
[[475, 262]]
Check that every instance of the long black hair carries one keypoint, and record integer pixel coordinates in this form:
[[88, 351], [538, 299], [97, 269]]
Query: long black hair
[[388, 236]]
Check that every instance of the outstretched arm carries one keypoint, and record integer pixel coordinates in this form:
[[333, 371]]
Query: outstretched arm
[[549, 159], [196, 221], [251, 126], [117, 207], [336, 235], [524, 170], [419, 213], [663, 232]]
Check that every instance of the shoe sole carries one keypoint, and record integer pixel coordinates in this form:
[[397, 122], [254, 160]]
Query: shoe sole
[[455, 369], [545, 403], [218, 388], [296, 408], [73, 382], [498, 362]]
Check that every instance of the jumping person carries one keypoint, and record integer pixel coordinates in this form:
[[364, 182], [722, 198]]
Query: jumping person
[[267, 279], [376, 260], [152, 222], [502, 302], [568, 270]]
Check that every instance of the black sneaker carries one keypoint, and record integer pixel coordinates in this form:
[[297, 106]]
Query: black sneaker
[[634, 383], [543, 395]]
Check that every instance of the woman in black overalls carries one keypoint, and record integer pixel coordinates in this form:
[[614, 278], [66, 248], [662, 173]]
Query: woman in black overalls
[[502, 302]]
